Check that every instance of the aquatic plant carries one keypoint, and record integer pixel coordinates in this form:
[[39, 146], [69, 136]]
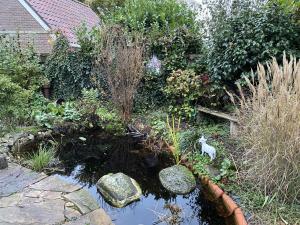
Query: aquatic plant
[[174, 137], [42, 158]]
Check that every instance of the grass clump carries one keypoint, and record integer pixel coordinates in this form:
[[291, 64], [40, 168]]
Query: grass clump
[[42, 158], [174, 137], [270, 130]]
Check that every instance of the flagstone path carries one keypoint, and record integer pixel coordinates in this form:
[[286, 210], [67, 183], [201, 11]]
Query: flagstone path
[[30, 198]]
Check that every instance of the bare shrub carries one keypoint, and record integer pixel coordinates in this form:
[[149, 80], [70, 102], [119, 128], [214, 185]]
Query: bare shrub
[[270, 129], [120, 61]]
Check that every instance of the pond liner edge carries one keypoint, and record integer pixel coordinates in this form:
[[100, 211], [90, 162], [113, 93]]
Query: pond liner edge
[[225, 205]]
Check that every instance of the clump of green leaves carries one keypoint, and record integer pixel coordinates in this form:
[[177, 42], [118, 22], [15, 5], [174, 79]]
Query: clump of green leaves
[[184, 87], [173, 34], [110, 121], [227, 171], [13, 100], [88, 102], [20, 77], [103, 6], [41, 159], [53, 113], [69, 70], [154, 18], [244, 33]]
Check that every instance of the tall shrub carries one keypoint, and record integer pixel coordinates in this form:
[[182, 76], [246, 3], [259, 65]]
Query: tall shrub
[[21, 64], [270, 129], [21, 76], [173, 35], [245, 33], [120, 61], [69, 69]]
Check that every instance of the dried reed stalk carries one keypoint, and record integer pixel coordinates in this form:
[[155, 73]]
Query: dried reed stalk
[[120, 60], [270, 129]]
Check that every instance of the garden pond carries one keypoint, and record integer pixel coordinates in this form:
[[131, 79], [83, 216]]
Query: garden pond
[[85, 158]]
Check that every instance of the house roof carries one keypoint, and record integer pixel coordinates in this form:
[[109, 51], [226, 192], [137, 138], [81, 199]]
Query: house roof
[[65, 16]]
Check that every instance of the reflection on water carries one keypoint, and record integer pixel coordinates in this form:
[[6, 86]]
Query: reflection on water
[[85, 162]]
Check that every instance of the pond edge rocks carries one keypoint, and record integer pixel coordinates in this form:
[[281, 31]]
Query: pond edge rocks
[[3, 162], [119, 189], [177, 179]]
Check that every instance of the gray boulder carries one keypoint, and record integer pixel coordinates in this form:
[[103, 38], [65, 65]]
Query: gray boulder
[[119, 189], [3, 162], [177, 179]]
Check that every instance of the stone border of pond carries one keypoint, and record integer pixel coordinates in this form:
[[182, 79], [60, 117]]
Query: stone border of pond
[[225, 205]]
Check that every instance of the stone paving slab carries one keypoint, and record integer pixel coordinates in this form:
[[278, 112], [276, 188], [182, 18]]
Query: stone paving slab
[[15, 178], [53, 183], [83, 201], [49, 212], [97, 217], [30, 198]]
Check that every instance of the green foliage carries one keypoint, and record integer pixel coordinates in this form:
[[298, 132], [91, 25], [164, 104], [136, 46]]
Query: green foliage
[[101, 6], [226, 171], [200, 163], [52, 113], [88, 102], [13, 100], [181, 48], [159, 128], [173, 34], [289, 6], [110, 121], [184, 87], [154, 18], [20, 76], [246, 34], [20, 64], [174, 138], [68, 69], [42, 158]]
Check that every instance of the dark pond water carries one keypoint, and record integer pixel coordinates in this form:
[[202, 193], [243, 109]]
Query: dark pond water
[[85, 162]]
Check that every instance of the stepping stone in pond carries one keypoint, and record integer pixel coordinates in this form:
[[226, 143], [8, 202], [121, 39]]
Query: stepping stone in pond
[[119, 189], [97, 217], [83, 201], [53, 183], [177, 179], [15, 178]]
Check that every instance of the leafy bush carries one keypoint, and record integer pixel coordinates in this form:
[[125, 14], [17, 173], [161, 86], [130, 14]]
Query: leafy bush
[[270, 127], [184, 87], [173, 34], [22, 65], [104, 5], [69, 70], [154, 18], [89, 102], [245, 33], [20, 77], [14, 101], [110, 121], [52, 113]]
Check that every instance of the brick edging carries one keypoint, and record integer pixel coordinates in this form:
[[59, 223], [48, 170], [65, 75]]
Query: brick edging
[[225, 205]]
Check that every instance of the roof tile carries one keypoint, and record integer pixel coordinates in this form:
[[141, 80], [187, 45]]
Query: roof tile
[[65, 15]]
